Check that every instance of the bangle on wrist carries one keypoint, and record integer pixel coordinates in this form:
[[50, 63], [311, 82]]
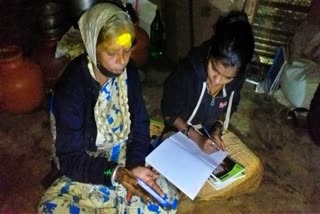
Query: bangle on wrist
[[184, 129], [113, 176], [107, 173], [188, 130], [219, 124]]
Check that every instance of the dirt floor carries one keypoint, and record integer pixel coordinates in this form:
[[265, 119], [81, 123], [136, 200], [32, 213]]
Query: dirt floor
[[291, 181]]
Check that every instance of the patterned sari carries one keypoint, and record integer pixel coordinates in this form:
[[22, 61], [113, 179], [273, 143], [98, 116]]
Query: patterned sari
[[113, 126], [112, 117]]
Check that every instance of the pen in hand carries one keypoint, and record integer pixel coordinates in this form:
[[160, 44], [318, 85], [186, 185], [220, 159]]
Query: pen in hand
[[214, 143]]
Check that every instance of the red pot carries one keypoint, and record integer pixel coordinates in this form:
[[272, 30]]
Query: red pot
[[21, 81]]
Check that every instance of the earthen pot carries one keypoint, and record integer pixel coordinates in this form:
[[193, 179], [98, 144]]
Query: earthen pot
[[21, 81]]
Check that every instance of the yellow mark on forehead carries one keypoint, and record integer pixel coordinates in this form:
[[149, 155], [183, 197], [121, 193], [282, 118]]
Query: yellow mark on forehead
[[124, 40]]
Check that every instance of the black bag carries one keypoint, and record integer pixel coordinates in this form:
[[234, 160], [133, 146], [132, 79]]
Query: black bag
[[313, 117]]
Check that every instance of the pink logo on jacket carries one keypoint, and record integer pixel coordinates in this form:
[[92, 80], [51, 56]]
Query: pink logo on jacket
[[223, 104]]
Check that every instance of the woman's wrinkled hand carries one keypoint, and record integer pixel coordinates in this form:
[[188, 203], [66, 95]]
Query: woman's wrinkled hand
[[129, 181], [148, 176]]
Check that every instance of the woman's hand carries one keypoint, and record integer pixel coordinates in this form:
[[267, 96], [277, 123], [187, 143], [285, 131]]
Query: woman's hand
[[213, 143], [205, 143], [148, 176], [216, 137], [208, 145], [129, 181]]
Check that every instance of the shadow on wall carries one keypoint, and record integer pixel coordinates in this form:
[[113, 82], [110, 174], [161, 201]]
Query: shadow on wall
[[205, 14]]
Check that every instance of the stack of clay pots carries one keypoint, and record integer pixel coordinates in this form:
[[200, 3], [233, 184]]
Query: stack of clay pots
[[51, 20], [53, 23]]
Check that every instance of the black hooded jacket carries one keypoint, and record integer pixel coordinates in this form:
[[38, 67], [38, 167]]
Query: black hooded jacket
[[182, 89]]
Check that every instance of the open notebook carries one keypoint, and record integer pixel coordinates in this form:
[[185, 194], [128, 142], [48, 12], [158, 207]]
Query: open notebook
[[182, 162]]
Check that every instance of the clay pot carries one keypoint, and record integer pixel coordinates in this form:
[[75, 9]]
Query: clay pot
[[50, 8], [52, 20], [21, 82], [140, 52], [51, 67]]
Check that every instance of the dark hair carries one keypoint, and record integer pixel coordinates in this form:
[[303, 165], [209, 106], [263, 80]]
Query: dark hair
[[233, 40]]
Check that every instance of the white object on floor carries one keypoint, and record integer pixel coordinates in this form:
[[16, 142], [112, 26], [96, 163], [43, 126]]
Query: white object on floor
[[299, 82]]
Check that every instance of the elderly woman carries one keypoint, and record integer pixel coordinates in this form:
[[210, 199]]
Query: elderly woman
[[102, 126]]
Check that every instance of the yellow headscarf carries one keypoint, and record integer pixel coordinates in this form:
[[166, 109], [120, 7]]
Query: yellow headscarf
[[91, 23]]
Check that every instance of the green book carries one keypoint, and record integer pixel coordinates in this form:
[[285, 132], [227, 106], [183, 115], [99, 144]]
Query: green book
[[226, 173]]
